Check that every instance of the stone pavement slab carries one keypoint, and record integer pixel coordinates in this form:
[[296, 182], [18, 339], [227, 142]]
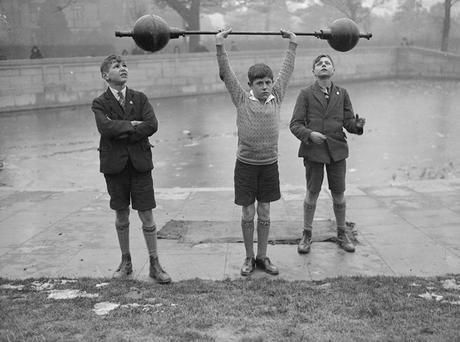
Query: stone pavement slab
[[403, 229]]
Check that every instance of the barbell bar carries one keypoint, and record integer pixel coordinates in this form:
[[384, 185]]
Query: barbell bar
[[152, 33]]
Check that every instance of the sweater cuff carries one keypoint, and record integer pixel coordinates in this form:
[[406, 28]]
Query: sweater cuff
[[220, 50]]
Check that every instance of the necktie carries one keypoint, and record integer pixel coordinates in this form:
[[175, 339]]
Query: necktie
[[121, 99], [326, 93]]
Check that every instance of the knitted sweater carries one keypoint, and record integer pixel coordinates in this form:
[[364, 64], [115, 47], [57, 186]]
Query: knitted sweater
[[257, 124]]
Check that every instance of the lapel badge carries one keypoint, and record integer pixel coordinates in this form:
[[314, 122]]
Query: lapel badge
[[337, 93], [130, 102]]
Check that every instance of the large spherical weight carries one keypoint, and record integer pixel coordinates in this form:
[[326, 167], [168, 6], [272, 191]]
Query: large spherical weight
[[151, 33], [344, 34]]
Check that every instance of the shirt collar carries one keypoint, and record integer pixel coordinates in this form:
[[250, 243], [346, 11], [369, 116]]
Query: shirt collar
[[252, 97], [115, 92], [325, 90]]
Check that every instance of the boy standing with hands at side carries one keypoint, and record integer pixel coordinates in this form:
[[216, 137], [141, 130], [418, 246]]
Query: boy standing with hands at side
[[321, 113], [256, 175], [125, 119]]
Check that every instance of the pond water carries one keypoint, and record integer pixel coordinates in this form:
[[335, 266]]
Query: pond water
[[412, 132]]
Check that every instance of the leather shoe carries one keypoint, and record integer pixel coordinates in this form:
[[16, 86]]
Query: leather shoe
[[266, 265], [124, 269], [248, 266], [304, 243], [344, 241], [157, 272]]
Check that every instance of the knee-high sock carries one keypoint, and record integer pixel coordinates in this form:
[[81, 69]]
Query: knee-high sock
[[339, 211], [263, 229], [150, 236], [123, 238], [308, 215], [248, 237]]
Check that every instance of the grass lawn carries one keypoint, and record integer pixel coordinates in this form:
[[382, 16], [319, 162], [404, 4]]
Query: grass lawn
[[263, 309]]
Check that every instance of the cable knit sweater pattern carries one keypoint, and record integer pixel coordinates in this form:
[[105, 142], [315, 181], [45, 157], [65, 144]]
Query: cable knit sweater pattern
[[257, 124]]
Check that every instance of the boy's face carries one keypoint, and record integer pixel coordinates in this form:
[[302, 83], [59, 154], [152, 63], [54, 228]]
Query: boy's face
[[323, 68], [262, 88], [117, 73]]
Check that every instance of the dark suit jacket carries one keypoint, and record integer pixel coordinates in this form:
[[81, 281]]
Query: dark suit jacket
[[121, 141], [312, 112]]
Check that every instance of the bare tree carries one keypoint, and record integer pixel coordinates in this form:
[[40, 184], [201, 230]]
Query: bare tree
[[354, 9], [189, 10], [136, 9], [446, 23], [53, 28], [60, 8], [268, 8]]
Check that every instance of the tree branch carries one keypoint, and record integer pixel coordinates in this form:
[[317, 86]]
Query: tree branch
[[179, 7], [61, 8]]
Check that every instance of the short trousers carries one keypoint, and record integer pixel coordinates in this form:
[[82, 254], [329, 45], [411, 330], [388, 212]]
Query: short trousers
[[131, 185], [253, 182], [314, 173]]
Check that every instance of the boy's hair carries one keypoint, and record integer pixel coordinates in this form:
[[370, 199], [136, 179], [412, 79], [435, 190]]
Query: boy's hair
[[259, 70], [108, 61], [319, 57]]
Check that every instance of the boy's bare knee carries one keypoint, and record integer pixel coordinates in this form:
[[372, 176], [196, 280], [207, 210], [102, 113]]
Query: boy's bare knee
[[338, 197], [146, 217], [263, 211], [311, 197], [122, 217], [248, 212]]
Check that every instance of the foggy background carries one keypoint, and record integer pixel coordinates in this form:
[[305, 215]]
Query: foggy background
[[411, 129], [67, 28]]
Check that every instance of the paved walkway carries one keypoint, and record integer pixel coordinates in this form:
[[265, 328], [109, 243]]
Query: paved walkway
[[404, 229]]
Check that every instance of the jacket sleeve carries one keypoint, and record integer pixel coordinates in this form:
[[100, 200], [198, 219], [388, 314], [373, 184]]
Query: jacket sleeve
[[149, 123], [349, 118], [109, 128], [299, 117]]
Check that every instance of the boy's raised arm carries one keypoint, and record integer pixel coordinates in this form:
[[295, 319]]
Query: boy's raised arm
[[281, 82], [226, 73]]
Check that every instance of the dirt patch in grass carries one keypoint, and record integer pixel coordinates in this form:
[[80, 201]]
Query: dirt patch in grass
[[339, 309]]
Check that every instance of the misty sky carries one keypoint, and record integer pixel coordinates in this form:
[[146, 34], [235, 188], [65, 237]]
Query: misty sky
[[388, 9]]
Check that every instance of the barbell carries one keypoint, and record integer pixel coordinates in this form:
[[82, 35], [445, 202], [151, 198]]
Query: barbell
[[152, 33]]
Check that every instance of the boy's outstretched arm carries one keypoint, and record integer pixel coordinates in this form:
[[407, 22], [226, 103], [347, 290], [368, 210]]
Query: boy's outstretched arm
[[222, 35], [226, 73], [288, 34], [353, 124], [281, 82]]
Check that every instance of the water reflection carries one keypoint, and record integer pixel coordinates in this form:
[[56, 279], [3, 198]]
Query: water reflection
[[410, 134]]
